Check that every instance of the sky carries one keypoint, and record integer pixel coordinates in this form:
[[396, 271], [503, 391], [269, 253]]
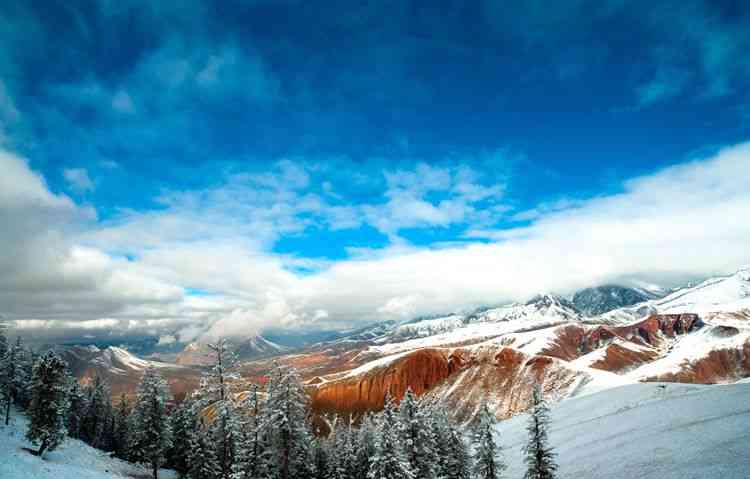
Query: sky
[[193, 169]]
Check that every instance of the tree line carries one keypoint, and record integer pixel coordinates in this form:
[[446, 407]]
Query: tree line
[[229, 430]]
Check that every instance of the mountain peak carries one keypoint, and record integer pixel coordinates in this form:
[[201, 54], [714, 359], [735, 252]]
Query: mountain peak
[[608, 297], [548, 300]]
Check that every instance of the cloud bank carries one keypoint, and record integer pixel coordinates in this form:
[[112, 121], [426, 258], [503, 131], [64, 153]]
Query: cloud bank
[[202, 265]]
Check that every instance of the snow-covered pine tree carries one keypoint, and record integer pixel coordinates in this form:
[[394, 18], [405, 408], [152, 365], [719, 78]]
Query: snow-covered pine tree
[[151, 436], [460, 465], [24, 360], [98, 409], [486, 462], [182, 423], [15, 377], [217, 382], [389, 460], [287, 425], [48, 403], [216, 392], [7, 376], [202, 463], [418, 441], [121, 432], [365, 446], [252, 450], [540, 458], [76, 407], [344, 453], [224, 434], [441, 431], [3, 342], [322, 460]]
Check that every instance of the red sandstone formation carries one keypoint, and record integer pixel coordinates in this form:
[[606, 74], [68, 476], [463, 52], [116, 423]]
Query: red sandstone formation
[[419, 370]]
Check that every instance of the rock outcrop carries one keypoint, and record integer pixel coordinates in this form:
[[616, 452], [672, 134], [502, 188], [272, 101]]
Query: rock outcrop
[[353, 394]]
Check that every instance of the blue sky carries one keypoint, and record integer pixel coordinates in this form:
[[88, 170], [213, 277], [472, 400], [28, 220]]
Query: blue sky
[[311, 135]]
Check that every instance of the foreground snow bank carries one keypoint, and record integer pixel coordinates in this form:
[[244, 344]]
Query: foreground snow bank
[[664, 431], [73, 460]]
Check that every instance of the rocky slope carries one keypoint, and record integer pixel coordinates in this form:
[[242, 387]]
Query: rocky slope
[[255, 346], [123, 370], [602, 299], [498, 354]]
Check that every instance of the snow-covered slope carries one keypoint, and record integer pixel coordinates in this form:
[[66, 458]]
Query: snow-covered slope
[[72, 460], [254, 346], [425, 327], [725, 294], [541, 312], [123, 370], [546, 307], [645, 431]]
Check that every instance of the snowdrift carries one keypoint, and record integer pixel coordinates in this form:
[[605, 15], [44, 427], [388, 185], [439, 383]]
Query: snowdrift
[[73, 460], [650, 430]]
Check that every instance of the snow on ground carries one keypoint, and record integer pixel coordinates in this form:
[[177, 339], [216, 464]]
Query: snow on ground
[[731, 293], [644, 431], [471, 333], [425, 327], [72, 460], [375, 364]]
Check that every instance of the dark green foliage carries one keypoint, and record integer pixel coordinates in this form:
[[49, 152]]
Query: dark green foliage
[[49, 392]]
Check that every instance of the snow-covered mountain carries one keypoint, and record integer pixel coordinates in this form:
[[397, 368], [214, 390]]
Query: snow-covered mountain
[[699, 334], [123, 370], [602, 299], [723, 294], [251, 347]]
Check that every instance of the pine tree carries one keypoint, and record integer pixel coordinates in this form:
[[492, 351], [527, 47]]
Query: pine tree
[[151, 436], [322, 460], [216, 391], [287, 424], [202, 463], [459, 465], [224, 434], [120, 435], [417, 437], [216, 384], [344, 457], [389, 460], [15, 377], [3, 341], [98, 412], [253, 454], [7, 376], [182, 423], [452, 455], [76, 407], [540, 458], [24, 369], [48, 403], [486, 464], [365, 446]]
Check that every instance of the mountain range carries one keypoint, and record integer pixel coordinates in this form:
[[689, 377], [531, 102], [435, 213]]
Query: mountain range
[[597, 339]]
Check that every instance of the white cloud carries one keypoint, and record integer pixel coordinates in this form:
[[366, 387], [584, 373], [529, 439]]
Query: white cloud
[[679, 223], [78, 179]]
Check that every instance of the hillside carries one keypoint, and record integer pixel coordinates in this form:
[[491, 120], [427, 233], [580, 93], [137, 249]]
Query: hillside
[[645, 431], [123, 370], [73, 460]]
